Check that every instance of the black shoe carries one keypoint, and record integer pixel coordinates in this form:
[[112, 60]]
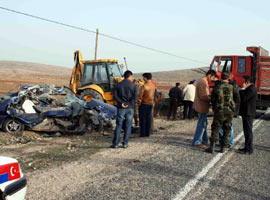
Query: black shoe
[[211, 148], [222, 149], [248, 152], [114, 146], [242, 149], [142, 135], [124, 146]]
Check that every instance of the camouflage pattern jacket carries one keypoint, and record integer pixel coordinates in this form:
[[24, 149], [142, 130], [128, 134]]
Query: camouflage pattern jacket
[[225, 98]]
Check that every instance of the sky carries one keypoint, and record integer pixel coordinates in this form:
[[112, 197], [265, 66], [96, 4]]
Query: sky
[[197, 30]]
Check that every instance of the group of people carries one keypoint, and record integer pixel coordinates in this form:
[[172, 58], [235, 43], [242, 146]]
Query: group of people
[[225, 98], [126, 96]]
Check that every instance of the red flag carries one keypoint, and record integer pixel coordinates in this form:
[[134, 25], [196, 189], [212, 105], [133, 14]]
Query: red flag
[[12, 169]]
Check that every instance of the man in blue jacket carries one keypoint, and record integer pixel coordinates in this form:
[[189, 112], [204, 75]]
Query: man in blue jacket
[[125, 94]]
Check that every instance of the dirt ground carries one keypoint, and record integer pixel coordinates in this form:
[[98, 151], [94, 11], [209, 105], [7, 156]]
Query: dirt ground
[[39, 150]]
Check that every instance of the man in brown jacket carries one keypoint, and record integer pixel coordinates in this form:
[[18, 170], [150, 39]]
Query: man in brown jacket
[[201, 105], [145, 103]]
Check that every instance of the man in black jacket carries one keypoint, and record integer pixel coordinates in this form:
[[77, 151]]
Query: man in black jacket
[[176, 96], [248, 98], [125, 94]]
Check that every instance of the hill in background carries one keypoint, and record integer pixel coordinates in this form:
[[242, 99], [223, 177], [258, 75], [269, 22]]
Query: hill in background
[[14, 74]]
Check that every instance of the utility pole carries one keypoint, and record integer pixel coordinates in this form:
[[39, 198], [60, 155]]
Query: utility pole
[[126, 63], [96, 44]]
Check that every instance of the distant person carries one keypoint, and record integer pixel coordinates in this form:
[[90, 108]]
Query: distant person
[[189, 96], [224, 98], [176, 96], [153, 108], [248, 98], [201, 105], [145, 103], [125, 96], [136, 109]]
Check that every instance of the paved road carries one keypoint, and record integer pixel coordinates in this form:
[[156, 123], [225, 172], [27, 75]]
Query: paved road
[[173, 165], [164, 166]]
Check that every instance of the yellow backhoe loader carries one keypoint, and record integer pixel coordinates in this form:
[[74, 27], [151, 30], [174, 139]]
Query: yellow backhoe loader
[[95, 78]]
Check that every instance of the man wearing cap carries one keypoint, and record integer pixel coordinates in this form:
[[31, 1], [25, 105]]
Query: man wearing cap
[[224, 98]]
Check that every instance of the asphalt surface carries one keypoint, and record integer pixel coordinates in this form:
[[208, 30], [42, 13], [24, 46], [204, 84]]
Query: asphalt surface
[[171, 163]]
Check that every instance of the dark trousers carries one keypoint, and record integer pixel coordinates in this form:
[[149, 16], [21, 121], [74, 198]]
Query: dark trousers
[[248, 133], [173, 108], [145, 119], [188, 110]]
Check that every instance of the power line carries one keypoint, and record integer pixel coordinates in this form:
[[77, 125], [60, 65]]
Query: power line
[[105, 35]]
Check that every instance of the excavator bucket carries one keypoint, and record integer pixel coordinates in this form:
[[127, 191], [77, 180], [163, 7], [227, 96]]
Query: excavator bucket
[[76, 76]]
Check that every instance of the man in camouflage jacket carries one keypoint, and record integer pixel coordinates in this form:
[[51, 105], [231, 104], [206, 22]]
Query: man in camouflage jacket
[[224, 100]]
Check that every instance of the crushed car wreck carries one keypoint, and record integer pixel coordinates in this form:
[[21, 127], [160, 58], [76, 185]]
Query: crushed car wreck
[[50, 108]]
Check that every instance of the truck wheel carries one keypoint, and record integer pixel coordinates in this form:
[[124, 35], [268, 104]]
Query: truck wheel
[[12, 126], [92, 93]]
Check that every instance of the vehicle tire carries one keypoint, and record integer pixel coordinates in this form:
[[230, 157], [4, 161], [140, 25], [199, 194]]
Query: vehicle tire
[[94, 94], [12, 126]]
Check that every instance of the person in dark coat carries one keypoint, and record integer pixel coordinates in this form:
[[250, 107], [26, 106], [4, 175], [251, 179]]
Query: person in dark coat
[[176, 96], [125, 95], [247, 110]]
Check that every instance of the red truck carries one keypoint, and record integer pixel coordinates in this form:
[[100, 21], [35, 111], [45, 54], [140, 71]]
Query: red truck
[[256, 65]]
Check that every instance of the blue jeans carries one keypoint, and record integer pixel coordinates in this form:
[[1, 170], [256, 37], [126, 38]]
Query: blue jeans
[[127, 116], [145, 112], [201, 136], [231, 135]]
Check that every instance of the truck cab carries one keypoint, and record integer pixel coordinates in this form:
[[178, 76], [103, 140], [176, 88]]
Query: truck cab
[[256, 65], [236, 66]]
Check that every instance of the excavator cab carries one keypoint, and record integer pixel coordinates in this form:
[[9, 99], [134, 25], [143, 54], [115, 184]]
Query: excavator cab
[[95, 78]]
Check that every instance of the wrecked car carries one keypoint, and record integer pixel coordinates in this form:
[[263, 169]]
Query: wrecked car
[[53, 109]]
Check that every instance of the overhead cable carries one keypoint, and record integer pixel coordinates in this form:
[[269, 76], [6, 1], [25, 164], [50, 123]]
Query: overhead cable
[[105, 35]]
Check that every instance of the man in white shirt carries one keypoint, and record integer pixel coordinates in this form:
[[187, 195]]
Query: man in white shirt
[[189, 96]]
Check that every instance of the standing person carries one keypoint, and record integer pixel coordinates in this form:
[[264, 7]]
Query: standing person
[[224, 97], [125, 95], [233, 83], [201, 105], [248, 98], [176, 96], [189, 96], [136, 109], [145, 103], [153, 108]]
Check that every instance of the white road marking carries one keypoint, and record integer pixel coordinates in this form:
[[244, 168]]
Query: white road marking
[[194, 181]]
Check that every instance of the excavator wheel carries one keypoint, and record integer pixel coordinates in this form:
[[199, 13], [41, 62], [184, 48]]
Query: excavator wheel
[[92, 94]]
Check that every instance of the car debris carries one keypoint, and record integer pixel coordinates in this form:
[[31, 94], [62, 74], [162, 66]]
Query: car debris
[[50, 108]]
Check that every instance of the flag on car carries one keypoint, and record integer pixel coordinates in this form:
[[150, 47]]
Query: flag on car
[[9, 172]]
